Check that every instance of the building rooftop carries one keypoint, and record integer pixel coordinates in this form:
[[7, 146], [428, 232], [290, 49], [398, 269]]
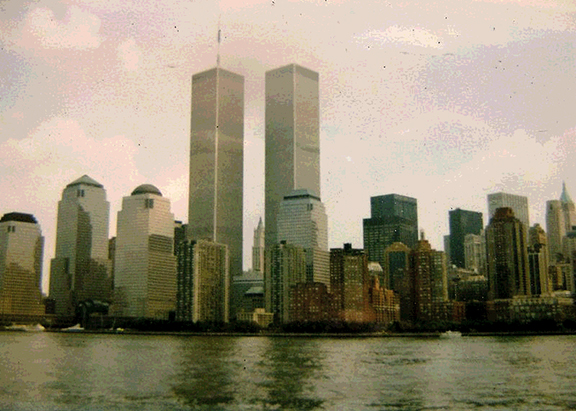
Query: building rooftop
[[85, 180], [146, 189], [21, 217], [302, 193]]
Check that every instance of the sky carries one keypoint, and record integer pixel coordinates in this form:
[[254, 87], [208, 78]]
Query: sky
[[444, 101]]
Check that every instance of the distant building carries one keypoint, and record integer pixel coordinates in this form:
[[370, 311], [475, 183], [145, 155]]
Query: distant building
[[81, 268], [285, 268], [396, 266], [428, 283], [21, 248], [179, 234], [508, 272], [560, 219], [259, 316], [462, 222], [350, 283], [258, 249], [475, 252], [310, 302], [518, 204], [215, 207], [525, 308], [384, 303], [292, 152], [203, 292], [394, 218], [538, 261], [240, 301], [145, 267], [302, 221]]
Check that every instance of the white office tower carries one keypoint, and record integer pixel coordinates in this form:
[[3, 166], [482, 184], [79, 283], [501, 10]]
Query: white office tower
[[302, 222], [81, 269], [518, 204], [21, 246], [258, 249], [560, 218], [145, 267]]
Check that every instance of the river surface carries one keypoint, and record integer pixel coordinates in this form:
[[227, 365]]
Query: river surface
[[51, 371]]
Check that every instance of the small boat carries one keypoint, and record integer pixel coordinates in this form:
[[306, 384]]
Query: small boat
[[451, 334], [74, 329], [25, 327]]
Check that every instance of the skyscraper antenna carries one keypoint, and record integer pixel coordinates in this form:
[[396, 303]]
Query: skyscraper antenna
[[218, 46]]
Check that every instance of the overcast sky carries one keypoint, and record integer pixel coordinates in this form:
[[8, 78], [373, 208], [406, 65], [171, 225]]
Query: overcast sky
[[443, 101]]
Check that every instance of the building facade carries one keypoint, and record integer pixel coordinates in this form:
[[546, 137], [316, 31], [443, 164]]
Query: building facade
[[145, 265], [518, 204], [203, 292], [21, 249], [302, 221], [292, 152], [258, 249], [394, 218], [475, 253], [507, 255], [462, 222], [81, 268], [215, 207]]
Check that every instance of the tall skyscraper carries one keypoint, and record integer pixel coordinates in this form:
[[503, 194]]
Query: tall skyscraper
[[394, 218], [507, 255], [81, 269], [462, 222], [538, 261], [560, 218], [302, 222], [518, 204], [258, 249], [475, 252], [145, 265], [292, 139], [21, 248], [215, 208], [203, 282]]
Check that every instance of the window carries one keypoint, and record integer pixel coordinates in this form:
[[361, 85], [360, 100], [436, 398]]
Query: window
[[11, 229], [79, 193], [148, 203]]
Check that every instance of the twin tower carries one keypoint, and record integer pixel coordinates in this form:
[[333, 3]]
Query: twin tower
[[292, 154]]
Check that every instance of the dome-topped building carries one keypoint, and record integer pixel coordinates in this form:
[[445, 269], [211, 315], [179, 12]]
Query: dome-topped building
[[146, 189]]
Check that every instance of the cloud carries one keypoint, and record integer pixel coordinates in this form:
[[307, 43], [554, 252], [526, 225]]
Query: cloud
[[399, 35], [78, 30], [129, 53]]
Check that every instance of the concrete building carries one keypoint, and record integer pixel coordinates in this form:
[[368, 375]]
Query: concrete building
[[560, 219], [350, 283], [215, 207], [292, 152], [462, 222], [21, 248], [518, 204], [428, 283], [145, 267], [240, 285], [507, 254], [285, 267], [258, 249], [475, 252], [394, 218], [302, 221], [203, 292], [538, 261], [310, 302], [81, 268]]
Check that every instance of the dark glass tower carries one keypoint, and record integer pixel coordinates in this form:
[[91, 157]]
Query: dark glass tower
[[462, 222]]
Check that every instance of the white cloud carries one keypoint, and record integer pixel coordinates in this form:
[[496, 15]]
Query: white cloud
[[129, 53], [414, 36], [78, 30]]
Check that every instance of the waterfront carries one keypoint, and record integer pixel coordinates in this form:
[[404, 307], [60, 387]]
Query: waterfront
[[52, 371]]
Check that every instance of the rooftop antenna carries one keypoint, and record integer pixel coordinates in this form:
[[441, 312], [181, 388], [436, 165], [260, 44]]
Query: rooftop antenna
[[219, 41]]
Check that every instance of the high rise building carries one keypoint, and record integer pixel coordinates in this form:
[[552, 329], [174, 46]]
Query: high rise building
[[518, 204], [21, 248], [350, 283], [81, 268], [215, 208], [568, 209], [285, 267], [475, 253], [462, 222], [394, 218], [292, 139], [203, 282], [560, 218], [302, 222], [145, 266], [428, 283], [507, 255], [258, 249], [538, 260]]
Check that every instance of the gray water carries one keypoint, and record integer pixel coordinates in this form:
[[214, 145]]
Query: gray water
[[48, 371]]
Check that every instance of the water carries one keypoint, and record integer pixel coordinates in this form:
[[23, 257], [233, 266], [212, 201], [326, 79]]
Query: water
[[48, 371]]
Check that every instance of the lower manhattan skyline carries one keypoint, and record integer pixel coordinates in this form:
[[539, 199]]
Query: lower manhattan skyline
[[443, 103]]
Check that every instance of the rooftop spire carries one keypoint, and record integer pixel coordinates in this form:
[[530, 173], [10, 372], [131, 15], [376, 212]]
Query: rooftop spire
[[565, 197], [219, 41]]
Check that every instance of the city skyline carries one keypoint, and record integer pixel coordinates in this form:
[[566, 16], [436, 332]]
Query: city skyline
[[426, 102]]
